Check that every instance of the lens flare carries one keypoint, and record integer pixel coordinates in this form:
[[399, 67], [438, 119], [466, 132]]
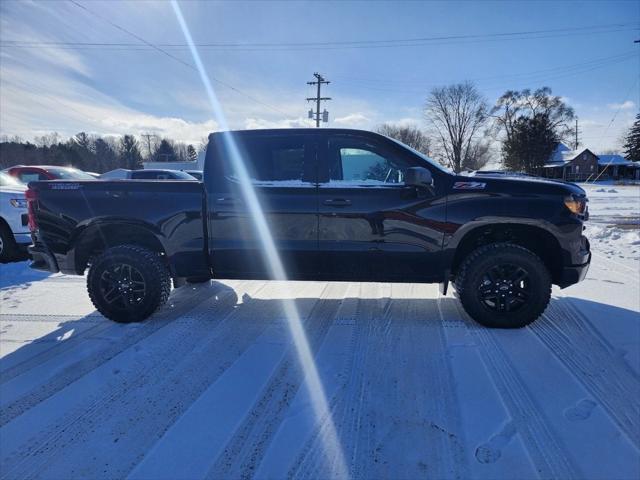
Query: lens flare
[[331, 442]]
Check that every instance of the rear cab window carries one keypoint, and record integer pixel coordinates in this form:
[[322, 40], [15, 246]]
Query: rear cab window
[[270, 161]]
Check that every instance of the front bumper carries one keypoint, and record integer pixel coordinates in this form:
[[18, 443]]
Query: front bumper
[[572, 274], [42, 259]]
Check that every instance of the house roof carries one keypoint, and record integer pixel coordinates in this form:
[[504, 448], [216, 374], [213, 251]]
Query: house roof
[[613, 160], [562, 155]]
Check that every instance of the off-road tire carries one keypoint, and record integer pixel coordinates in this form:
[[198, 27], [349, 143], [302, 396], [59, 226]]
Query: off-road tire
[[474, 268], [148, 265], [8, 247]]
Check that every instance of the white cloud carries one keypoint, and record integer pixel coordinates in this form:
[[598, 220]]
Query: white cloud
[[628, 105], [352, 120], [261, 123]]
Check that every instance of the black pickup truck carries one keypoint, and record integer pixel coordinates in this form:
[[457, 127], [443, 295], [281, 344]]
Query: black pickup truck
[[340, 205]]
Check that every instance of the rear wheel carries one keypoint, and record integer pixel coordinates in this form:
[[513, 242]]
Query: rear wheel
[[8, 247], [128, 283], [503, 285]]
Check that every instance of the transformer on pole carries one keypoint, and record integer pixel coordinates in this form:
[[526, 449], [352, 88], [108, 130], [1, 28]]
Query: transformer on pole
[[318, 115]]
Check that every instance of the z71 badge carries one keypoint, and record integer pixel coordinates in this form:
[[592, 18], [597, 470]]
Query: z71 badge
[[469, 185]]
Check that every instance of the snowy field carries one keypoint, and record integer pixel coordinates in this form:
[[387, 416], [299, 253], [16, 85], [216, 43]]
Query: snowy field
[[212, 387]]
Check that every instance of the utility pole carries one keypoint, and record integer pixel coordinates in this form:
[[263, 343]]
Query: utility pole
[[575, 145], [325, 115]]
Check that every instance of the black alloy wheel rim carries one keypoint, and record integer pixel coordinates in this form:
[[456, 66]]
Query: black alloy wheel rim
[[505, 288], [122, 286]]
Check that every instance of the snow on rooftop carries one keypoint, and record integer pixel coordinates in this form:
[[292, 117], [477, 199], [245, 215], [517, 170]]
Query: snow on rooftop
[[613, 160]]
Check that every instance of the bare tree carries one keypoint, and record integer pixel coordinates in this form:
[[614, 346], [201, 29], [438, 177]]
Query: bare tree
[[409, 135], [513, 105], [457, 114], [47, 140], [202, 146], [150, 142]]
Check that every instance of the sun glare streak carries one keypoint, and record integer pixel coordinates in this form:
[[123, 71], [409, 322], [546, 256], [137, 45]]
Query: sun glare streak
[[331, 443]]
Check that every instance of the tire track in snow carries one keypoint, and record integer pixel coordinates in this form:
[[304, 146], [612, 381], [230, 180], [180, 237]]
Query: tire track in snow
[[313, 456], [245, 450], [547, 452], [573, 340], [402, 404], [213, 351], [53, 440], [84, 365]]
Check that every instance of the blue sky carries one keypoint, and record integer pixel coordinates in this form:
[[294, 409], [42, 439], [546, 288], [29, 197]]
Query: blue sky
[[589, 59]]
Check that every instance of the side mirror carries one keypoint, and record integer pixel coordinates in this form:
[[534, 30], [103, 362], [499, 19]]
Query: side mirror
[[418, 177]]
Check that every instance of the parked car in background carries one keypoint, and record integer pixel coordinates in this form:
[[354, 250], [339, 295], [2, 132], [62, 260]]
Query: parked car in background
[[124, 174], [197, 174], [14, 229], [32, 173]]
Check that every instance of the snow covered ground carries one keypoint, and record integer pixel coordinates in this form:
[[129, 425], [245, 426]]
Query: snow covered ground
[[211, 387]]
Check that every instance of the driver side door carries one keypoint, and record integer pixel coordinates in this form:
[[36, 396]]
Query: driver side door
[[372, 226]]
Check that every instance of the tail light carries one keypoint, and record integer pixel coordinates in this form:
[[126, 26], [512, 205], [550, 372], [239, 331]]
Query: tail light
[[32, 198]]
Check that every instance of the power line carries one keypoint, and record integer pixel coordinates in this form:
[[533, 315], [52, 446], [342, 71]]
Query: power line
[[531, 77], [559, 69], [173, 57], [344, 44]]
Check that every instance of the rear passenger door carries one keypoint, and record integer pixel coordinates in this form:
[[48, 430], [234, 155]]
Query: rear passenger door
[[282, 168]]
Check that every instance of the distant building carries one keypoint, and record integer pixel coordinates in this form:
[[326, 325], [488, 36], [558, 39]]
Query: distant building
[[583, 165]]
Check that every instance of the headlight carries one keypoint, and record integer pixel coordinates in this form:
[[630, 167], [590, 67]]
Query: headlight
[[577, 205], [19, 202]]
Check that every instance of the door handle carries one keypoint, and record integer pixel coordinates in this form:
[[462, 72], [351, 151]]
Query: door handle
[[337, 202], [228, 201], [116, 193]]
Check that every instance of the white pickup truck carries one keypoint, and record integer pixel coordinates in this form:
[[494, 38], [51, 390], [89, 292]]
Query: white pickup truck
[[14, 229]]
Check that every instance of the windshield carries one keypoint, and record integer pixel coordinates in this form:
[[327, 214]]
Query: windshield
[[69, 174], [6, 180], [422, 156]]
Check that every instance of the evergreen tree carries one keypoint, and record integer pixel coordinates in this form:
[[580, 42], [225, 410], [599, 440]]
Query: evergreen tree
[[83, 149], [130, 156], [106, 157], [632, 145], [192, 155], [165, 152], [530, 144]]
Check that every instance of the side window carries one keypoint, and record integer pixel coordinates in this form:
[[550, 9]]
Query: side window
[[150, 175], [26, 177], [273, 160], [358, 163]]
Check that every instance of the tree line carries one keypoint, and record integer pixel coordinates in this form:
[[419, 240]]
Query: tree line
[[93, 153], [463, 130]]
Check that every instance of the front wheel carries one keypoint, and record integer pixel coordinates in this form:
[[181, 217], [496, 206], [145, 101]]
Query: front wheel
[[503, 285], [8, 246], [128, 283]]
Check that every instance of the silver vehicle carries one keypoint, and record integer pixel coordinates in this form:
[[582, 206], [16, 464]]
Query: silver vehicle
[[14, 229]]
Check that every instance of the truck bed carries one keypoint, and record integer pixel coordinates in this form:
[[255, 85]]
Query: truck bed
[[71, 214]]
